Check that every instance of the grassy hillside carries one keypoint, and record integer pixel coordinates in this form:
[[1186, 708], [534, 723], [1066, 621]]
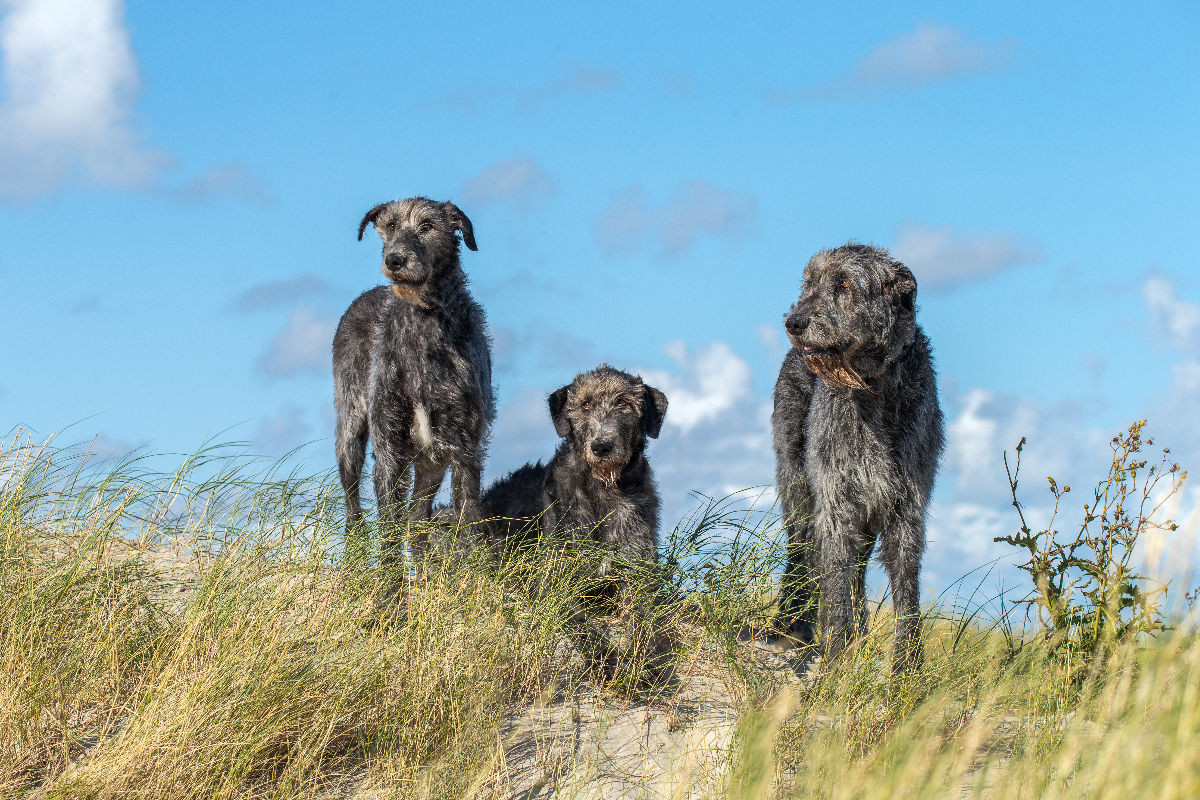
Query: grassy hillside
[[196, 635]]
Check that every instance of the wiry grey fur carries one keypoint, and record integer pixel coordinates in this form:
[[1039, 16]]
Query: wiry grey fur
[[412, 368], [598, 486], [858, 435]]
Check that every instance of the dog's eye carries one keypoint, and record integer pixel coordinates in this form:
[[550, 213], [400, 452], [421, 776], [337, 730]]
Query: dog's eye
[[425, 227], [844, 286], [586, 406]]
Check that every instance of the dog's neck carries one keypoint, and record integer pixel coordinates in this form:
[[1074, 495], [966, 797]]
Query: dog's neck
[[448, 283]]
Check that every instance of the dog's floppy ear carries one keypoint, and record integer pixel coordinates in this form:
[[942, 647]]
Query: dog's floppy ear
[[462, 225], [369, 219], [558, 404], [654, 408], [902, 286]]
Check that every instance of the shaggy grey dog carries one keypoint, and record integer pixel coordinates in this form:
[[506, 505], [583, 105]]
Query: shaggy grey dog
[[412, 368], [858, 435], [598, 486], [598, 494]]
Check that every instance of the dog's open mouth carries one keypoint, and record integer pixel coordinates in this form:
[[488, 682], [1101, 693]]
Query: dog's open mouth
[[808, 347], [808, 350]]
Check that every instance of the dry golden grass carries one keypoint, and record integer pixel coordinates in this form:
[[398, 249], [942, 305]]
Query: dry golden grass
[[196, 636]]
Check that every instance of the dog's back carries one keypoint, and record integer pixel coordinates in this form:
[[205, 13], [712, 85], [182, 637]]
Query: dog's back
[[513, 506]]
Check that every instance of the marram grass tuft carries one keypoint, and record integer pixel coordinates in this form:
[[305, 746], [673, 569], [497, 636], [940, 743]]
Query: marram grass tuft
[[197, 635]]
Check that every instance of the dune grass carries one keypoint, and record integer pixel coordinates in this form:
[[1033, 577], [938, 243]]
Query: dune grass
[[197, 635]]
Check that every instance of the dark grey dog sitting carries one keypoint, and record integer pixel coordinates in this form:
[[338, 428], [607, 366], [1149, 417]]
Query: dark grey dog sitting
[[598, 486], [412, 368], [858, 435]]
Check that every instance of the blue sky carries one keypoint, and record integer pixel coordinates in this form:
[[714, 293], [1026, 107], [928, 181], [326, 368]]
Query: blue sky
[[180, 187]]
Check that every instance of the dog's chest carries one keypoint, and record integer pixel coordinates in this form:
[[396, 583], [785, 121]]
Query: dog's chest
[[421, 428], [426, 369], [848, 449], [616, 516], [608, 516]]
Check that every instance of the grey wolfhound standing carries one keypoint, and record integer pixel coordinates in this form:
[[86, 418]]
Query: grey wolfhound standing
[[598, 486], [858, 435], [412, 368]]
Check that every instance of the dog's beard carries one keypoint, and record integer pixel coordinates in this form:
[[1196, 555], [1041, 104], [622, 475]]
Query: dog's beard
[[833, 369], [410, 293], [607, 471]]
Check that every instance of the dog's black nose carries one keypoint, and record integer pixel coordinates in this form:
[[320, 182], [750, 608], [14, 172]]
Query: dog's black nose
[[394, 260], [602, 449], [795, 325]]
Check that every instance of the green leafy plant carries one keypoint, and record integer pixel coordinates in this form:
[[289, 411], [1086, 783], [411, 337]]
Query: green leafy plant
[[1087, 594]]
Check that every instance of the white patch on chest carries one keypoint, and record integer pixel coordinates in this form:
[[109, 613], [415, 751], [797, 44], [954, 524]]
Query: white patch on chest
[[420, 426]]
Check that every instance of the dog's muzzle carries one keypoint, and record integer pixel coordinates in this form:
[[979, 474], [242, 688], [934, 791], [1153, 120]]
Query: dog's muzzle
[[407, 283], [606, 464]]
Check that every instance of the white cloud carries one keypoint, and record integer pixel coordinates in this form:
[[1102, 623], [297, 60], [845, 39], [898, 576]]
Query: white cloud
[[86, 304], [70, 89], [985, 428], [989, 424], [973, 502], [1178, 405], [519, 181], [1179, 319], [716, 438], [940, 257], [698, 208], [1173, 424], [304, 345], [927, 54], [714, 379], [971, 435], [694, 209], [961, 536], [70, 86]]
